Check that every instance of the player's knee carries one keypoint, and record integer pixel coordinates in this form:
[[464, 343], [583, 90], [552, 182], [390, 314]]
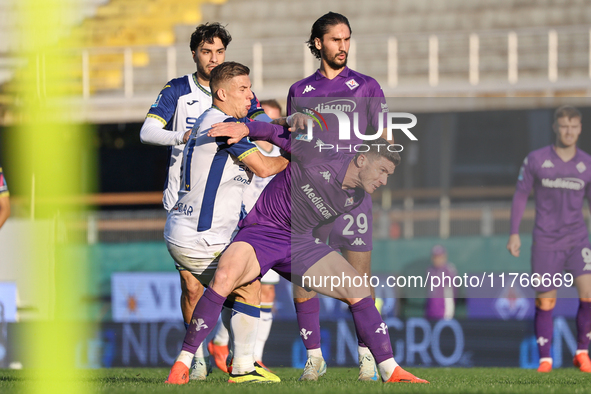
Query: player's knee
[[192, 291], [267, 293], [546, 304]]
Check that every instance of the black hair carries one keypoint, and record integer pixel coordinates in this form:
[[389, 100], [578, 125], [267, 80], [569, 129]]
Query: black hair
[[321, 26], [206, 32]]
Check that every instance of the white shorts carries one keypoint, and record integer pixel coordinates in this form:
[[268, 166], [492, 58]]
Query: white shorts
[[270, 278], [202, 268]]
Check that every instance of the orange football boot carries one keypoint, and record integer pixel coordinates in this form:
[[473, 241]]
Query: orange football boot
[[219, 353], [545, 367], [582, 362], [179, 374], [401, 376]]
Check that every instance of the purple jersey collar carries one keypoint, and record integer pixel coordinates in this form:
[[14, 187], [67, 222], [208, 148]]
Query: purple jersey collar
[[344, 73]]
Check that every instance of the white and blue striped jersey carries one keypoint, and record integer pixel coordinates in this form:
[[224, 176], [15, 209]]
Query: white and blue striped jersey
[[178, 106], [213, 180]]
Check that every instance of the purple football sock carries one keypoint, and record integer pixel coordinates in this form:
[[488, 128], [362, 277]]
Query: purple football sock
[[543, 327], [371, 329], [205, 317], [308, 314], [583, 325]]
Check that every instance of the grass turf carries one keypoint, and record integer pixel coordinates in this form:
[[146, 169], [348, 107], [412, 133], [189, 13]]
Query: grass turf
[[337, 380]]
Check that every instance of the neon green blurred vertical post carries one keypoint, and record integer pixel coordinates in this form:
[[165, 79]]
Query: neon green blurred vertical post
[[53, 160]]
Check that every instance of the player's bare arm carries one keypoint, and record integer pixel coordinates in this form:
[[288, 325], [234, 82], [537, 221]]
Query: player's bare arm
[[235, 131], [264, 166]]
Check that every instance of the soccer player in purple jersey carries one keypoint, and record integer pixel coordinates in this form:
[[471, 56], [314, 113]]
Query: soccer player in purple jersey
[[560, 175], [335, 86], [315, 188]]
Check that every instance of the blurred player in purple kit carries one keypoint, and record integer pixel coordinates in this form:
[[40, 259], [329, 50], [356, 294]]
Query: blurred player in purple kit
[[335, 86], [4, 200], [315, 188], [560, 175], [440, 300], [169, 123]]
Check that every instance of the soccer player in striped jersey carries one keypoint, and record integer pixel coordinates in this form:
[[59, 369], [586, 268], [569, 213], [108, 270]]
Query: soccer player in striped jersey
[[200, 225], [169, 123]]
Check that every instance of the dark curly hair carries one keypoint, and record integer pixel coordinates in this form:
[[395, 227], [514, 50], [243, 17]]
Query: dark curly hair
[[206, 32], [321, 26]]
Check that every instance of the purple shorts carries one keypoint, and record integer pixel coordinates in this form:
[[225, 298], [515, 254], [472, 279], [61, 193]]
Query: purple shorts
[[272, 247], [351, 231], [576, 261], [290, 256]]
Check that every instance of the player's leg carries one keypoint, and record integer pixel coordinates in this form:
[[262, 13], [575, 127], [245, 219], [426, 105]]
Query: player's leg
[[268, 282], [346, 284], [245, 319], [361, 261], [352, 235], [578, 264], [545, 263], [237, 266], [581, 359], [218, 346], [191, 292], [307, 306], [544, 327]]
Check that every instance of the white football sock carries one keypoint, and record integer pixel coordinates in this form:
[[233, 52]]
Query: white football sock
[[363, 351], [222, 336], [244, 330], [314, 352], [386, 368], [265, 323]]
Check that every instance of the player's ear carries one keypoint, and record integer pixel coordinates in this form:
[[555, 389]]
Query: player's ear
[[318, 43], [222, 94], [194, 54]]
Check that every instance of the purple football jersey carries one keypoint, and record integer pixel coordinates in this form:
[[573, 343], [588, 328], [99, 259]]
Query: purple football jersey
[[359, 96], [309, 191], [559, 190]]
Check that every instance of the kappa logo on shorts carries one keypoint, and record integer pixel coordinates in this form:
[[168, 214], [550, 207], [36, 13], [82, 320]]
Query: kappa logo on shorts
[[358, 242]]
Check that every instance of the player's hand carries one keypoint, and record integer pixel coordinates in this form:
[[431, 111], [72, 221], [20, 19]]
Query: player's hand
[[235, 131], [299, 121], [514, 244], [187, 136]]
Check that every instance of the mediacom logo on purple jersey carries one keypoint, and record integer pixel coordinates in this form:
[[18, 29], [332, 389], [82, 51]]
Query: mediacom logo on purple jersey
[[340, 110]]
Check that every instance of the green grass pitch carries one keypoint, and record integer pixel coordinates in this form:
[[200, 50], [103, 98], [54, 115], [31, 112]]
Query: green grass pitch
[[337, 380]]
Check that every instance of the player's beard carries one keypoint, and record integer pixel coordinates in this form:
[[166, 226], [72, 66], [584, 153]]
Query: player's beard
[[333, 62], [203, 72]]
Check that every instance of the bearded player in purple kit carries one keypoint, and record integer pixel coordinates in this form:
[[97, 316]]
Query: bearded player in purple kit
[[335, 86], [277, 234], [560, 175]]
